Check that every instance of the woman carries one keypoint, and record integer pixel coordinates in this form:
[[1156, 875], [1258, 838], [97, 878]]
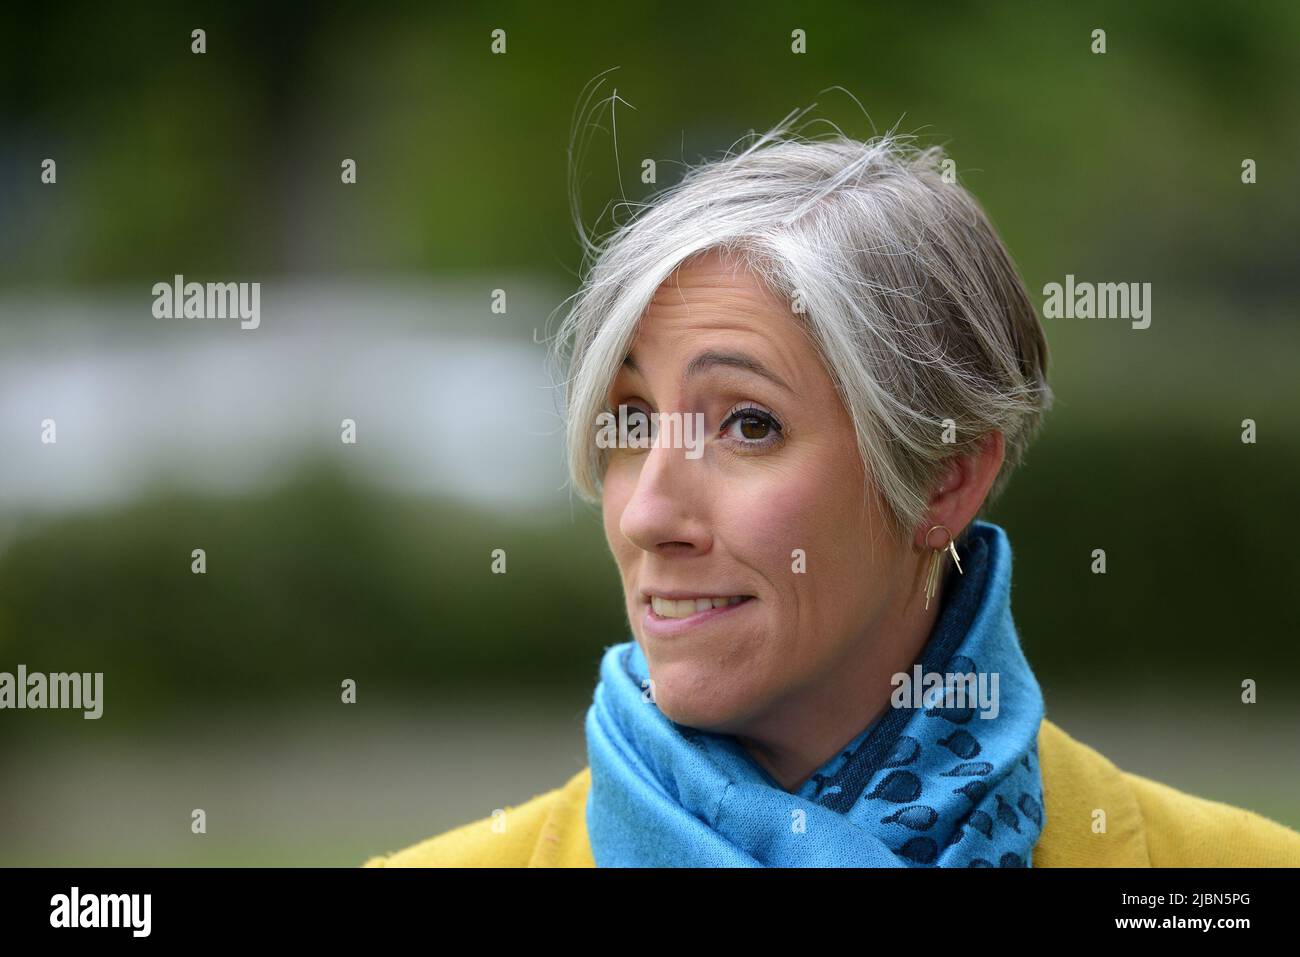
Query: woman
[[824, 670]]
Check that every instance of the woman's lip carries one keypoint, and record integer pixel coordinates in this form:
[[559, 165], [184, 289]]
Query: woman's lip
[[690, 595], [668, 627]]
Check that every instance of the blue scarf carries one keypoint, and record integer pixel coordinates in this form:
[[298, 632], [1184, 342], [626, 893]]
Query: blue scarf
[[936, 786]]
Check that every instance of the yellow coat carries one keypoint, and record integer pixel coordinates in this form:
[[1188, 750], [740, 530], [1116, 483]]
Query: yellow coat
[[1147, 824]]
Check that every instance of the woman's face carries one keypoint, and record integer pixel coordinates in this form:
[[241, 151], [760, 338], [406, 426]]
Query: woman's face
[[774, 522]]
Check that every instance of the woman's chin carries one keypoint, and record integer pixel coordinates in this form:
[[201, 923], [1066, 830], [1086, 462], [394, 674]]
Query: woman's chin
[[702, 719], [701, 706]]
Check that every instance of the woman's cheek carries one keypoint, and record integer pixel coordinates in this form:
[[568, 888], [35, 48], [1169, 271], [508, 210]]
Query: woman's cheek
[[782, 514]]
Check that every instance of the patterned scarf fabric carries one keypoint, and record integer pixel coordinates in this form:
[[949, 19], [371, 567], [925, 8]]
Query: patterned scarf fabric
[[952, 783]]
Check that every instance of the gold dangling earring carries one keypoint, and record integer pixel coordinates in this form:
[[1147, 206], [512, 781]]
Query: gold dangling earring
[[932, 578]]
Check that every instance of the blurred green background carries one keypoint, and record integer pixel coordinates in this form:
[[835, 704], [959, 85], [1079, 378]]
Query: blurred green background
[[372, 562]]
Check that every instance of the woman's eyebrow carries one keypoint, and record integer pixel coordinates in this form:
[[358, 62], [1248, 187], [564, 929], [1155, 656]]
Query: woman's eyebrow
[[736, 360]]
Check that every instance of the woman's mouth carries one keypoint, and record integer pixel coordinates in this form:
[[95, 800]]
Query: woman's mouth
[[670, 616], [685, 607]]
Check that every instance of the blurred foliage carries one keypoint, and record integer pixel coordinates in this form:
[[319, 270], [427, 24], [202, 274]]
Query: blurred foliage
[[229, 162], [322, 580], [315, 582], [1125, 165]]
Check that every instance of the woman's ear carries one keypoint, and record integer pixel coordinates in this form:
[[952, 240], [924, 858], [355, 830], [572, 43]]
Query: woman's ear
[[965, 485]]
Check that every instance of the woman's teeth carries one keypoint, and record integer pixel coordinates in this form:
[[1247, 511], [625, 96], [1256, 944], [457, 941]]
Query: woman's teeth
[[684, 608]]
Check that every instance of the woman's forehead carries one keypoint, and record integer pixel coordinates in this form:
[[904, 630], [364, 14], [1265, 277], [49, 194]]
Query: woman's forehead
[[718, 335], [715, 277], [706, 303]]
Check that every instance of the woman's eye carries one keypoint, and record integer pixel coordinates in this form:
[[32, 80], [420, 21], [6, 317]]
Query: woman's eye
[[752, 426], [635, 427]]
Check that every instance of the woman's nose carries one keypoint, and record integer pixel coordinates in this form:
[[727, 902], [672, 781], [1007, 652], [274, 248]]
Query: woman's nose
[[667, 511]]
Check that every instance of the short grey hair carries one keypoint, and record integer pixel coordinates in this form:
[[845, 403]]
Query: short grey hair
[[914, 304]]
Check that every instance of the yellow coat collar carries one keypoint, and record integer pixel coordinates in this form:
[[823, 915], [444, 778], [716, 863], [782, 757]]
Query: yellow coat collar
[[1096, 816]]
